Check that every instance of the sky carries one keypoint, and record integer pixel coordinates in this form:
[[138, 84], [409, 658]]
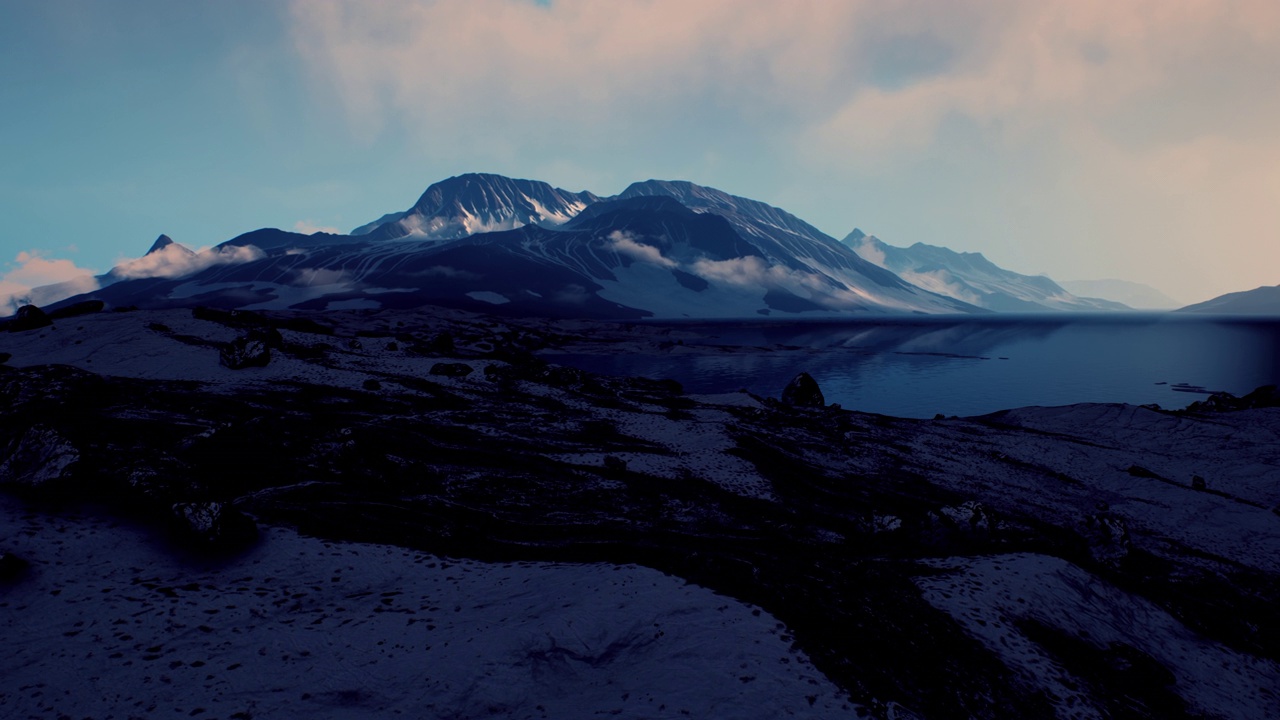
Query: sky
[[1083, 139]]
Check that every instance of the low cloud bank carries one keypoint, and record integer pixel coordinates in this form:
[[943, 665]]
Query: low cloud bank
[[37, 280], [176, 260]]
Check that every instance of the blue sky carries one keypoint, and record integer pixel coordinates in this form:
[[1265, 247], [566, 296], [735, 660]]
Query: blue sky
[[1080, 138]]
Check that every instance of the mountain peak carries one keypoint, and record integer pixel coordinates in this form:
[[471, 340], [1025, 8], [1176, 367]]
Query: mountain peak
[[478, 202], [161, 243]]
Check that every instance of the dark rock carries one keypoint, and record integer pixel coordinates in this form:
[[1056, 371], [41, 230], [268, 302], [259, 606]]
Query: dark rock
[[441, 344], [1263, 397], [28, 317], [372, 385], [1197, 482], [1108, 537], [456, 370], [40, 456], [5, 357], [303, 325], [803, 391], [11, 567], [244, 352], [615, 465], [84, 307], [354, 344], [1139, 471], [159, 327], [213, 525], [270, 336], [393, 346]]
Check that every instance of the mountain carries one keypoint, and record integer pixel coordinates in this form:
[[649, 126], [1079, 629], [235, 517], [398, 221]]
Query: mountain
[[520, 247], [1259, 301], [1135, 295], [478, 203], [972, 278]]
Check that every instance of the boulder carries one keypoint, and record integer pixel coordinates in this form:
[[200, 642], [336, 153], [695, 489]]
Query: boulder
[[803, 391], [28, 317], [213, 525], [40, 456], [4, 357], [84, 307], [244, 352], [11, 567], [455, 370]]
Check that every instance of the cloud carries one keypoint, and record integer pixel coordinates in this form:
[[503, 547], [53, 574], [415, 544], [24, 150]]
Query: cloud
[[175, 260], [625, 243], [999, 126], [306, 227], [37, 280]]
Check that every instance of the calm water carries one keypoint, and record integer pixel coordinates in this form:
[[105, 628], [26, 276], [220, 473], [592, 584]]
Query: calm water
[[917, 368]]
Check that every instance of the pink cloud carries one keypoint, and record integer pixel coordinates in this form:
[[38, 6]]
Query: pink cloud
[[38, 280]]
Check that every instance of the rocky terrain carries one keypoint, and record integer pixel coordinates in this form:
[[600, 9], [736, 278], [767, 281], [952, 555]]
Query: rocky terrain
[[603, 545]]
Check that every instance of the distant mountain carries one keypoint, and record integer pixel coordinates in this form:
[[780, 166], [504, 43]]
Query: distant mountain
[[485, 242], [972, 278], [1259, 301], [1135, 295]]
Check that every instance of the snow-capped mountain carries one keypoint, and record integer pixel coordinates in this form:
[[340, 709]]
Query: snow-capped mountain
[[478, 203], [1264, 300], [1135, 295], [972, 278], [660, 250]]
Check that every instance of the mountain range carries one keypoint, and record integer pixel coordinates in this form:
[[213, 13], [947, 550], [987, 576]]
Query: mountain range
[[659, 249], [972, 278]]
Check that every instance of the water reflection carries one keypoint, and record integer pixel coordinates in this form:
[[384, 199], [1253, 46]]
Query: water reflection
[[917, 368]]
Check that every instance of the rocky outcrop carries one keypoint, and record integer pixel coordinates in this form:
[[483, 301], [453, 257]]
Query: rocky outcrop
[[213, 525], [11, 567], [28, 317], [245, 352], [803, 391], [84, 307], [39, 456], [1264, 397], [453, 370]]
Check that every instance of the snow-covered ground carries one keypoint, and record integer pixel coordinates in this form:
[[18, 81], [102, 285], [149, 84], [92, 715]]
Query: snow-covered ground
[[108, 623], [991, 595]]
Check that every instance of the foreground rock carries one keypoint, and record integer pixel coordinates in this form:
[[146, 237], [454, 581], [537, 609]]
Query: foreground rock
[[1037, 562], [803, 391]]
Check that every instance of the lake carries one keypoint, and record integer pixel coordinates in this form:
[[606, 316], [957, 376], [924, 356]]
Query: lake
[[918, 367]]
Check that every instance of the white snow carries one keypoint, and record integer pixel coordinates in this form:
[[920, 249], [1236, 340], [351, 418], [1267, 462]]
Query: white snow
[[107, 623], [989, 595]]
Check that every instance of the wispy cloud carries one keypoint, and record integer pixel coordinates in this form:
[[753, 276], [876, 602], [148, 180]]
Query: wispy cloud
[[175, 260], [625, 243], [36, 280]]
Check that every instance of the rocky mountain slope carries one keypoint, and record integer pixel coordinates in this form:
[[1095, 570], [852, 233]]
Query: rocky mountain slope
[[972, 278], [1074, 562]]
